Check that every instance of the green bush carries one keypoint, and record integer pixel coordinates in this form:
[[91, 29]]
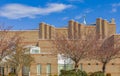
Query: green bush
[[108, 74], [73, 73], [12, 74], [53, 75], [90, 73], [50, 75], [99, 73]]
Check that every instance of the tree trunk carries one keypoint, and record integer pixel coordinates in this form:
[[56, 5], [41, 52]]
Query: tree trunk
[[20, 72], [76, 66], [104, 67]]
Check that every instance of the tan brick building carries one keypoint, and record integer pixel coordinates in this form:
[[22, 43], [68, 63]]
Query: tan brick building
[[45, 63]]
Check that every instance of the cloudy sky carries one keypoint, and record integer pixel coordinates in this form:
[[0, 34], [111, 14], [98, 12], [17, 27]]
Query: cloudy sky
[[27, 14]]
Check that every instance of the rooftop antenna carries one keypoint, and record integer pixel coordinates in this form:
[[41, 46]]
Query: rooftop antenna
[[84, 17]]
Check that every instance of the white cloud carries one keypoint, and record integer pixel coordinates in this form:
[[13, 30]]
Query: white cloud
[[65, 18], [15, 11], [86, 11], [115, 7], [78, 17], [114, 10], [115, 4]]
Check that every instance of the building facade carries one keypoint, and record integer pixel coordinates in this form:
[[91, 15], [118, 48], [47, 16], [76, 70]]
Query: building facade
[[41, 49]]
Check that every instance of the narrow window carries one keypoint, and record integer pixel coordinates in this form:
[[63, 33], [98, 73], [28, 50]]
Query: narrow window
[[38, 69], [48, 69], [26, 70], [81, 66]]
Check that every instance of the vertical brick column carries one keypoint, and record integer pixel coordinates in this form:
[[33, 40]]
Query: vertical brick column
[[47, 32], [75, 30], [104, 28], [41, 30], [71, 29], [99, 27]]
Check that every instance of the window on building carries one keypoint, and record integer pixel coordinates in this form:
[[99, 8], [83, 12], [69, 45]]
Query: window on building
[[26, 70], [38, 69], [12, 69], [32, 50], [2, 71], [81, 66], [35, 50], [48, 69]]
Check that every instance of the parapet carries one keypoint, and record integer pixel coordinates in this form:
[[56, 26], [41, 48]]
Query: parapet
[[46, 31], [75, 29]]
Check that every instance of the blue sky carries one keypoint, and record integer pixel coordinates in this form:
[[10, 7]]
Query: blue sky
[[27, 14]]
